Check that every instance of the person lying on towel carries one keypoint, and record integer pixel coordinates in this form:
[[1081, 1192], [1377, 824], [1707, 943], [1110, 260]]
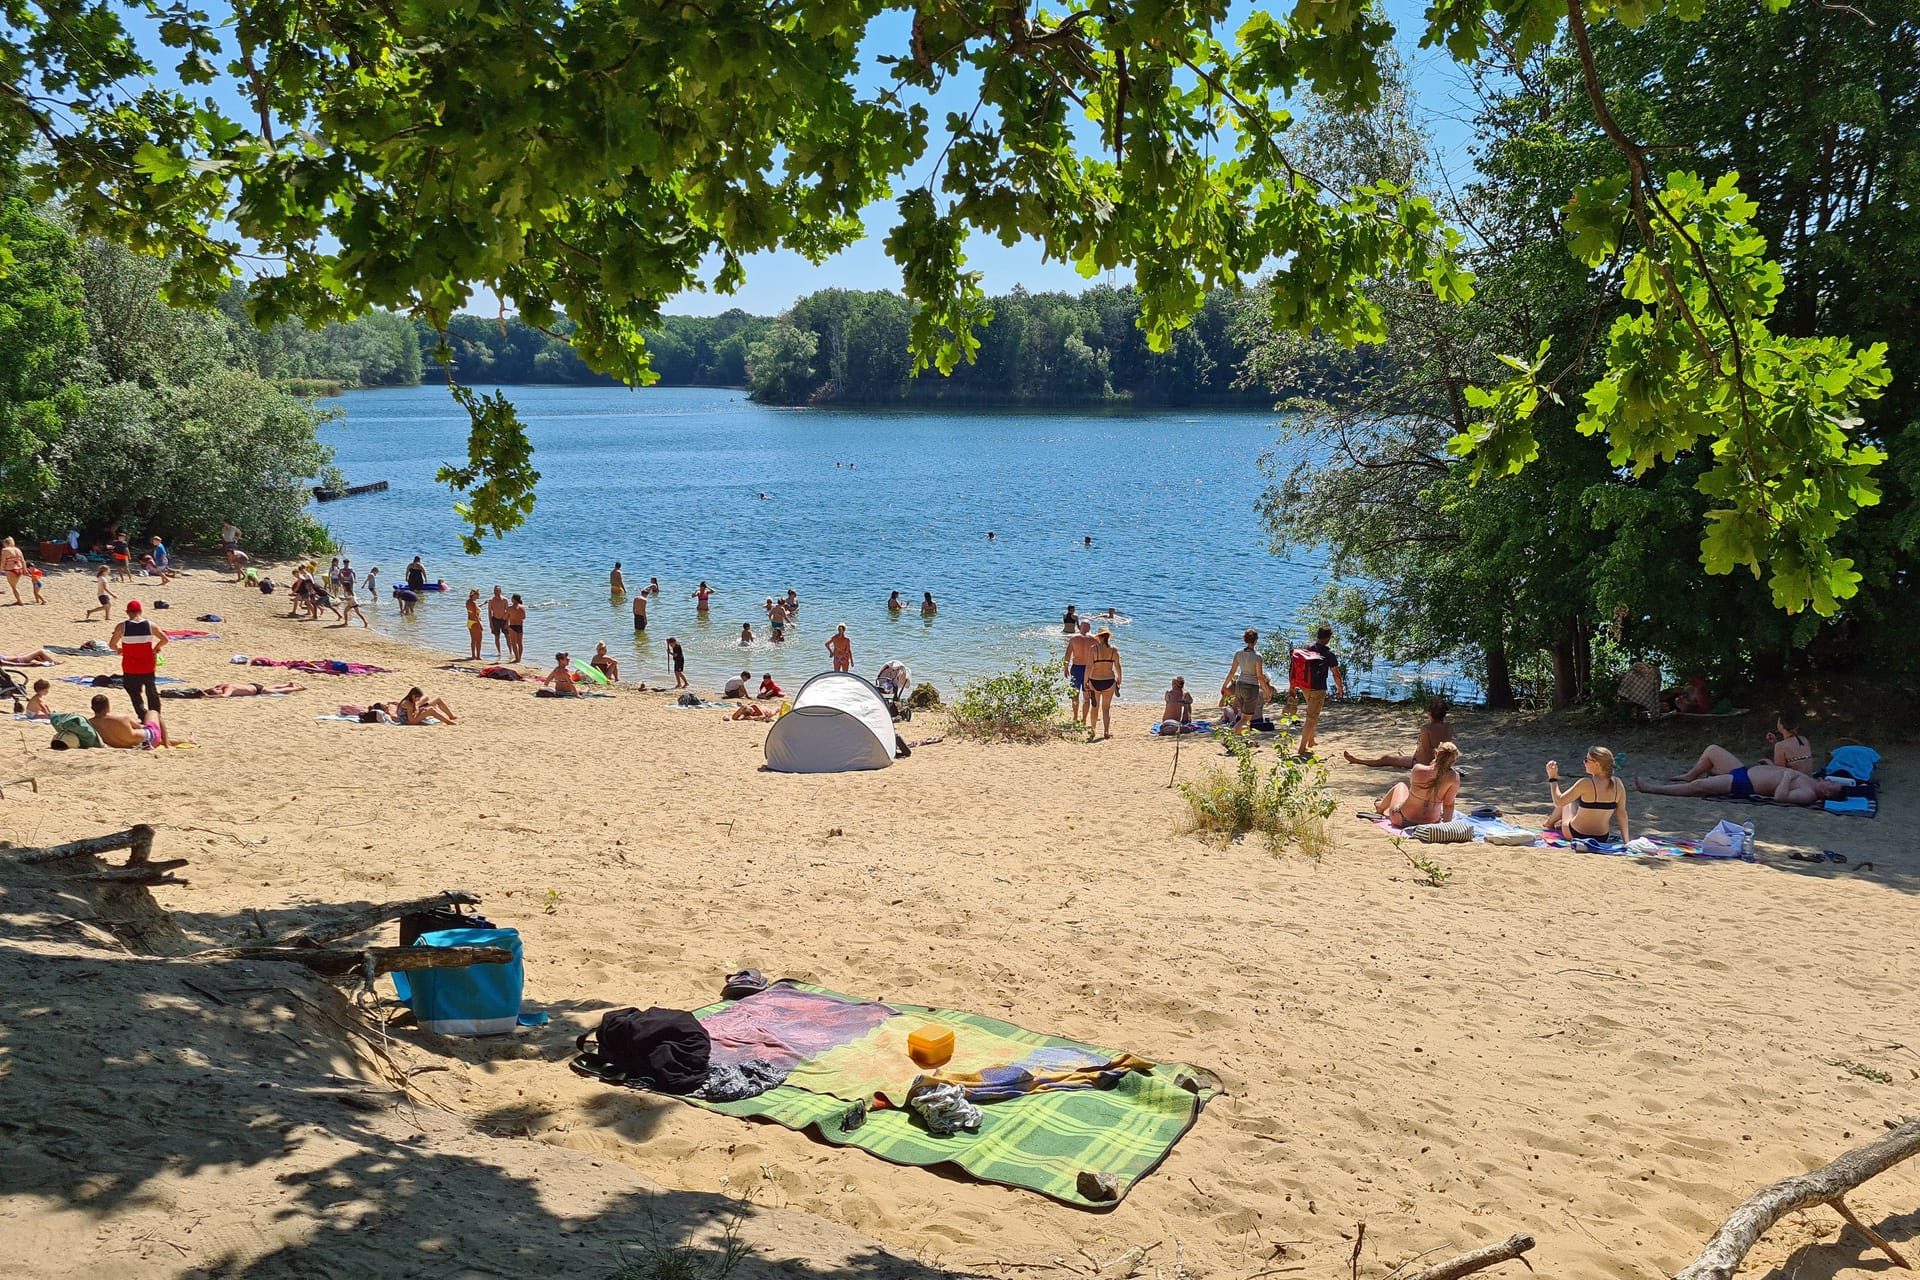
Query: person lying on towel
[[1749, 782], [1434, 732]]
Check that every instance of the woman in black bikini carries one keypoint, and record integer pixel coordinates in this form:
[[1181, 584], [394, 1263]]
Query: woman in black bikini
[[1428, 793], [1791, 750], [1103, 682], [1598, 798]]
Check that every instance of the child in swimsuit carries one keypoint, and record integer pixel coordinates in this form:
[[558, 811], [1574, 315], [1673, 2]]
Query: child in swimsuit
[[105, 607]]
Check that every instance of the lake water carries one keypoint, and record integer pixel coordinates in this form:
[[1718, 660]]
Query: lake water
[[858, 503]]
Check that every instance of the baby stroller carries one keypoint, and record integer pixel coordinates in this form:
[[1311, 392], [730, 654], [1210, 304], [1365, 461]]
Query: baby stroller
[[13, 684], [895, 684]]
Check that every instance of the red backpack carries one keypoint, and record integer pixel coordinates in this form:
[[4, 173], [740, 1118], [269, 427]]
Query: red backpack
[[1299, 668]]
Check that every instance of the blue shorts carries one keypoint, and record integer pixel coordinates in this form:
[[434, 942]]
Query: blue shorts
[[1077, 676]]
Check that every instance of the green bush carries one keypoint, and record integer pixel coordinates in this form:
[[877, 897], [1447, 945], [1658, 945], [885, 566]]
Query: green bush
[[1288, 803], [924, 697], [1021, 705]]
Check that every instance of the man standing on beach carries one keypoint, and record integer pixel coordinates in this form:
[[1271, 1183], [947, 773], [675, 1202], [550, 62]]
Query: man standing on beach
[[138, 642], [1322, 663], [497, 619], [229, 544], [1079, 646]]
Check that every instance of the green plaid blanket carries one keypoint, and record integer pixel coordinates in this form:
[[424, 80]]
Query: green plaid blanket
[[1042, 1141]]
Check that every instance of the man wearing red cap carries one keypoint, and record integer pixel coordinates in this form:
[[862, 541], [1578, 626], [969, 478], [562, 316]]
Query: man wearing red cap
[[138, 642]]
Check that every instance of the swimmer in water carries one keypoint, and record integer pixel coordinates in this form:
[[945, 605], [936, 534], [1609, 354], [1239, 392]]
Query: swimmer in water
[[746, 633], [927, 607], [895, 604]]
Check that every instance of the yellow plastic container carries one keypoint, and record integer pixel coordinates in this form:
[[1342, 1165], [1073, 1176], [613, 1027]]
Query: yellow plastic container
[[930, 1046]]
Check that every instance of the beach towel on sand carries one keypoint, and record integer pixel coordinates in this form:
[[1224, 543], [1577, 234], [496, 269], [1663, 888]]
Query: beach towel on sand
[[323, 666], [1054, 1108], [1640, 847]]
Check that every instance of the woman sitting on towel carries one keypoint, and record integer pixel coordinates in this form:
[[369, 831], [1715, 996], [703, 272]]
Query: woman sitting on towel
[[560, 682], [1791, 750], [605, 663], [1428, 793], [418, 708], [1586, 810]]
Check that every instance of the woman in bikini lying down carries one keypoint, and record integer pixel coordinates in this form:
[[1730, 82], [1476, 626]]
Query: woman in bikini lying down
[[1587, 809], [1428, 793]]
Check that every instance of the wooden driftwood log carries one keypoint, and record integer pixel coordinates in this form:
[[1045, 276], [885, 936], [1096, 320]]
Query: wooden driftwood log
[[359, 920], [115, 898], [138, 840], [339, 962], [1477, 1260], [1744, 1227]]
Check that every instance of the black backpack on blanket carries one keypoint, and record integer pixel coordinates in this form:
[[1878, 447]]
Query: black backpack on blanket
[[664, 1049]]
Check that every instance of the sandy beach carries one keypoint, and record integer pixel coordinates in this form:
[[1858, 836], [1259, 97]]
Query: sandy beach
[[1608, 1053]]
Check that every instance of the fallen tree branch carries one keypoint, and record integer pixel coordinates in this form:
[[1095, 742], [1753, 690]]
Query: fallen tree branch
[[338, 962], [1746, 1224], [349, 923], [137, 839], [1478, 1260], [133, 873]]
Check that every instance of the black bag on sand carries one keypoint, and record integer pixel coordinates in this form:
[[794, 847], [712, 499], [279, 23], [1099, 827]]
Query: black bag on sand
[[415, 923], [666, 1049]]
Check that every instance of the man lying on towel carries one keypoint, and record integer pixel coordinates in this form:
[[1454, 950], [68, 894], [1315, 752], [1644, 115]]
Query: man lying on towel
[[1760, 781]]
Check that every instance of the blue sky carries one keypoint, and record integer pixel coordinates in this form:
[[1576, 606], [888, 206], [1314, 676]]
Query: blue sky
[[1443, 100]]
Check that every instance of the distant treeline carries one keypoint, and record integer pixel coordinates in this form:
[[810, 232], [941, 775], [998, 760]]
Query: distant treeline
[[835, 346]]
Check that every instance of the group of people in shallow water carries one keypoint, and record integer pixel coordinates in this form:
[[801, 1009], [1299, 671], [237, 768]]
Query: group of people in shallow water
[[1595, 804]]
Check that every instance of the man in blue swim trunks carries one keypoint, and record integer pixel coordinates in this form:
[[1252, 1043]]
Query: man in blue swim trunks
[[1765, 781], [1079, 647]]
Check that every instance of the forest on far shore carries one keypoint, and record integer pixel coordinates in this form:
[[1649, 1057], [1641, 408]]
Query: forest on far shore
[[836, 346]]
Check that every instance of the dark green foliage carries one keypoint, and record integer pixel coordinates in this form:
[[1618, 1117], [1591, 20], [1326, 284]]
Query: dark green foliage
[[43, 336], [117, 408], [1044, 349]]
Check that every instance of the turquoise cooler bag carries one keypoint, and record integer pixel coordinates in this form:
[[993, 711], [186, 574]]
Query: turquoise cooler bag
[[479, 1000]]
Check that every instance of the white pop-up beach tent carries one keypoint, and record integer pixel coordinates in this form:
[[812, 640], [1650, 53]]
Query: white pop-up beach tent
[[838, 723]]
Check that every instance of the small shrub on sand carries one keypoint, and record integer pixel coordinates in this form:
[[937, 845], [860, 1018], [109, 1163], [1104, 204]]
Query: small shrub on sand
[[1288, 803], [657, 1258], [924, 697], [1021, 705]]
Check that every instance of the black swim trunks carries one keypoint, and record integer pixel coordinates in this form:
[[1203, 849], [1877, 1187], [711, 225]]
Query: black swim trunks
[[499, 626]]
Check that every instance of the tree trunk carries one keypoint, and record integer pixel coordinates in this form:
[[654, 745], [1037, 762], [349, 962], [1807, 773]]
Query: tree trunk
[[1563, 672], [1499, 676]]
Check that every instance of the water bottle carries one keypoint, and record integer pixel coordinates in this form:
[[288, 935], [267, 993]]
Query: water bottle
[[1746, 842]]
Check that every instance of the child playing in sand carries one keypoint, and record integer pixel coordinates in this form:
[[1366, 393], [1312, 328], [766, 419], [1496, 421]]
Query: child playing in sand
[[105, 607], [37, 708], [768, 689]]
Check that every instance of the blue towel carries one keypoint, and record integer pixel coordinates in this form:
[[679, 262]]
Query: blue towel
[[1854, 804], [1199, 726], [1856, 762]]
